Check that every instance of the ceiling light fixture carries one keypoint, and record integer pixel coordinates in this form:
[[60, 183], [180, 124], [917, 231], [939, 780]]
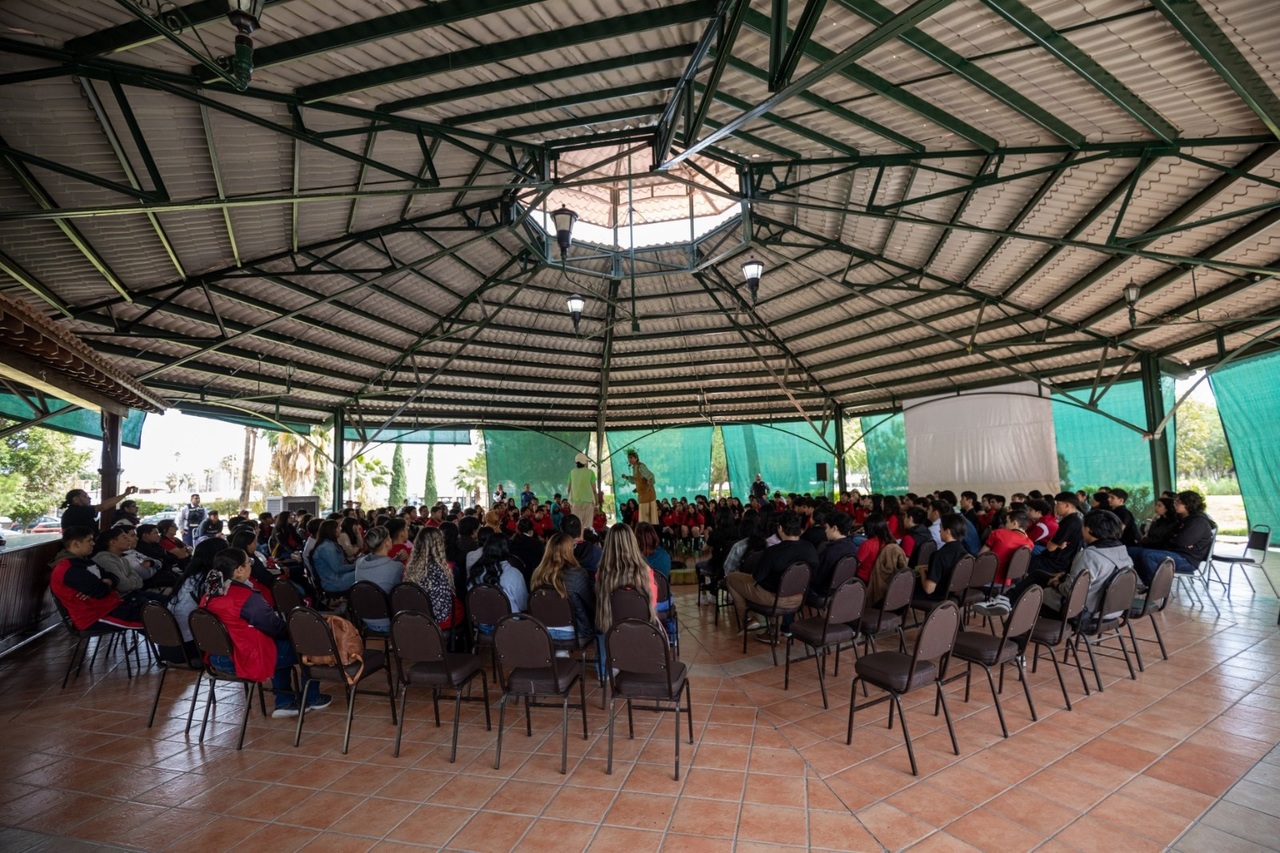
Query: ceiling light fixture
[[564, 218], [244, 16], [1132, 292], [575, 303], [752, 270]]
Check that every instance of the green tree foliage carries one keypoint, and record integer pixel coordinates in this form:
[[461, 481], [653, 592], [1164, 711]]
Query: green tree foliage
[[37, 468], [471, 479], [397, 477], [1202, 451], [719, 464], [367, 477], [855, 455], [430, 494]]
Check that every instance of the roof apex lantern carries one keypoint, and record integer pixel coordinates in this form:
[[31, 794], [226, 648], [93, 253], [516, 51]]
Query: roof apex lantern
[[564, 218], [752, 270]]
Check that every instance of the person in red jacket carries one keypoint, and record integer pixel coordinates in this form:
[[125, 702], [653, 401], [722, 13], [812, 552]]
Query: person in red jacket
[[258, 635], [88, 593]]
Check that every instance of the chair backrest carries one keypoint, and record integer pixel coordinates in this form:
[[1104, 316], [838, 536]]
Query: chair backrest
[[664, 586], [924, 553], [410, 596], [286, 595], [160, 626], [984, 570], [209, 634], [898, 595], [546, 605], [416, 638], [523, 641], [751, 560], [637, 645], [368, 601], [938, 634], [1075, 604], [627, 602], [1161, 586], [846, 570], [960, 576], [794, 580], [847, 602], [1117, 597], [1204, 565], [310, 634], [1019, 564], [64, 615], [1259, 538], [487, 604], [1023, 618]]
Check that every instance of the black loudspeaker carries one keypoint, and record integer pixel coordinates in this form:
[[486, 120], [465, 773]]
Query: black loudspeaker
[[821, 475]]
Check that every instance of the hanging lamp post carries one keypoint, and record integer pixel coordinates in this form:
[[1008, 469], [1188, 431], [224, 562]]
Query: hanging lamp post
[[752, 270], [564, 218], [1132, 292], [244, 16], [575, 303]]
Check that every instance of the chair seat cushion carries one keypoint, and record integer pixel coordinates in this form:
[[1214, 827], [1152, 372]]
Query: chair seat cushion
[[810, 631], [983, 648], [452, 671], [1048, 631], [926, 604], [374, 661], [876, 622], [892, 671], [652, 685], [556, 678]]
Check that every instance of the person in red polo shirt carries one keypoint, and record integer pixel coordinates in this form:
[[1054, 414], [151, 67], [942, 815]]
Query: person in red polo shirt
[[88, 593], [1003, 541]]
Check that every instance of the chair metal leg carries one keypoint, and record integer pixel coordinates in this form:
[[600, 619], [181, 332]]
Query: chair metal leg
[[82, 645], [304, 690], [995, 696], [946, 713], [1075, 654], [207, 705], [351, 712], [1136, 651], [404, 694], [435, 704], [1125, 651], [155, 703], [786, 676], [677, 770], [820, 657], [1159, 638], [688, 707], [502, 714], [1026, 685], [613, 713], [391, 691], [906, 735], [853, 696], [191, 712], [248, 706], [484, 688], [564, 735]]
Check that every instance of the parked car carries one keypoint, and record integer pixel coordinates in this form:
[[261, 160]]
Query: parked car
[[167, 515], [44, 519], [54, 526]]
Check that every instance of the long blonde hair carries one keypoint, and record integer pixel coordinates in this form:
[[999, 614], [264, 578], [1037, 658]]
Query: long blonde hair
[[621, 565], [428, 556], [557, 557]]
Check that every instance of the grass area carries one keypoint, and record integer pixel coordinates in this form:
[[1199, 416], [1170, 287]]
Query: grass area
[[1228, 511]]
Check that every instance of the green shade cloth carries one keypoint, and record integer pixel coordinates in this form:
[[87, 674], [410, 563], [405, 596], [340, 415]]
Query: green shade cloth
[[885, 438], [232, 417], [409, 435], [786, 454], [1249, 405], [73, 419], [679, 457], [514, 457], [1095, 451]]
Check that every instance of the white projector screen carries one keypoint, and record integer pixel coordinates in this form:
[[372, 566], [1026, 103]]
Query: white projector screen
[[997, 440]]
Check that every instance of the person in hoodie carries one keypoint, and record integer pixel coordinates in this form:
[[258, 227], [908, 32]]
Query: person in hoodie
[[112, 545], [381, 569], [586, 553], [88, 593]]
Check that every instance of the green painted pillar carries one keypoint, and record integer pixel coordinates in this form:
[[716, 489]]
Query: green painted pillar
[[840, 471], [1161, 475], [339, 458]]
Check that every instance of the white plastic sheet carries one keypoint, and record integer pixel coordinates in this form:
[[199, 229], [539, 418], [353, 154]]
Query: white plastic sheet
[[998, 440]]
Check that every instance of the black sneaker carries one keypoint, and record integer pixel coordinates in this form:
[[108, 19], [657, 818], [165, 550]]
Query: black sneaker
[[324, 701]]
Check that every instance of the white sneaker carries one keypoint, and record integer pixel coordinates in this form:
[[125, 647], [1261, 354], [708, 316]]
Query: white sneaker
[[284, 711]]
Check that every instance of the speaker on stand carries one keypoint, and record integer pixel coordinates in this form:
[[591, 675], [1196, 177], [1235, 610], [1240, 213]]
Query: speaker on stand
[[821, 476]]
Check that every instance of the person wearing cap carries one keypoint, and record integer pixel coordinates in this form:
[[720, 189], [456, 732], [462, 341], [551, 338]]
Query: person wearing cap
[[582, 488]]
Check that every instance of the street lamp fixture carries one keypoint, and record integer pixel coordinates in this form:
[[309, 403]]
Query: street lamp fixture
[[575, 304], [244, 16], [752, 270], [1132, 292], [564, 218]]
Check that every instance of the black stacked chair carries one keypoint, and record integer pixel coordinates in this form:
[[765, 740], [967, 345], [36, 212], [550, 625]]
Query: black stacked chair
[[643, 667], [988, 651], [212, 639], [834, 627], [160, 627]]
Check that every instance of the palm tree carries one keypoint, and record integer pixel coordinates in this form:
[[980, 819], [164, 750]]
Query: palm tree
[[293, 461]]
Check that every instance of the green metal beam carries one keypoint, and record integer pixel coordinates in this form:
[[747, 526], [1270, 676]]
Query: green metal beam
[[137, 33], [682, 96], [780, 75], [15, 271], [724, 49], [837, 63], [1214, 46], [511, 84], [794, 126], [752, 139], [971, 72], [582, 121], [594, 31], [1083, 65], [585, 96]]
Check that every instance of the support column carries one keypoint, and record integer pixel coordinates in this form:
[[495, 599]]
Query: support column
[[1161, 475], [840, 471], [110, 471], [339, 458]]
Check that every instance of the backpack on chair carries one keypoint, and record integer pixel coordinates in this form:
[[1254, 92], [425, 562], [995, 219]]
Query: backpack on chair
[[346, 639]]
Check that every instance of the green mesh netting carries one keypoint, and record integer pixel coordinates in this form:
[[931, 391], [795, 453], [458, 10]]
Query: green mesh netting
[[679, 457], [77, 421], [1096, 451], [785, 454], [1249, 405], [542, 459], [246, 420], [885, 437], [409, 435]]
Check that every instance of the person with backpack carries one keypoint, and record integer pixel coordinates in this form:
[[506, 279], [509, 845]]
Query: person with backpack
[[259, 638], [190, 517]]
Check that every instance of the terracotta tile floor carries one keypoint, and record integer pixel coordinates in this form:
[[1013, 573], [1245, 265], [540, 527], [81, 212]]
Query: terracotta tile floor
[[1133, 768]]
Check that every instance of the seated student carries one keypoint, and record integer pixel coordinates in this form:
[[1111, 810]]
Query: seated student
[[89, 593], [877, 536], [335, 573], [493, 568], [1163, 525], [112, 545], [1005, 540], [259, 638], [588, 554], [527, 547], [560, 571], [1129, 526], [431, 569], [1190, 544], [761, 586], [171, 542], [836, 528], [149, 546], [938, 509], [654, 554], [917, 531], [211, 526], [401, 549], [1043, 523], [933, 580], [383, 570], [1061, 548]]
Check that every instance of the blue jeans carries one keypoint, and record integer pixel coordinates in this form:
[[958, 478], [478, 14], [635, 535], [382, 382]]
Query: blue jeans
[[562, 633], [1147, 560], [281, 682]]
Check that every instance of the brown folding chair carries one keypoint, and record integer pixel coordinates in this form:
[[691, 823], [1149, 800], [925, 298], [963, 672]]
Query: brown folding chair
[[981, 580], [643, 667], [956, 589], [312, 639], [212, 639], [368, 601], [486, 605], [627, 602], [1052, 633], [1112, 616], [99, 631], [925, 554], [1019, 565], [897, 673], [846, 569], [793, 583], [410, 596], [160, 627], [988, 651], [1159, 592], [287, 596], [528, 667], [670, 618], [546, 605], [834, 627], [888, 615], [419, 648]]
